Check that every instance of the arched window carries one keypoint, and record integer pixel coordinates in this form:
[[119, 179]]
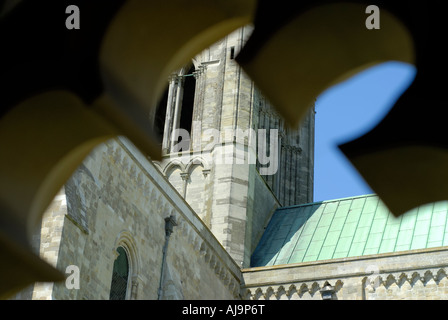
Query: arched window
[[189, 88], [120, 275], [175, 109]]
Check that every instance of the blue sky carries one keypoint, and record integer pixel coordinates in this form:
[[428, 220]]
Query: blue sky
[[347, 111]]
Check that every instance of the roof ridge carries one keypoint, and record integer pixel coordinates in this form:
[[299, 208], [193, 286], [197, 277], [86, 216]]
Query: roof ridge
[[327, 201]]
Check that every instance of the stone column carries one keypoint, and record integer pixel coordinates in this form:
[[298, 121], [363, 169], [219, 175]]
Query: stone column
[[177, 106]]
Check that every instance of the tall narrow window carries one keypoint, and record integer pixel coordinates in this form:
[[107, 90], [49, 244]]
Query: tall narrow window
[[175, 111], [120, 276], [186, 115]]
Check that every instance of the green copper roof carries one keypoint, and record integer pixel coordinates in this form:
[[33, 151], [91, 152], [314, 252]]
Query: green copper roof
[[348, 227]]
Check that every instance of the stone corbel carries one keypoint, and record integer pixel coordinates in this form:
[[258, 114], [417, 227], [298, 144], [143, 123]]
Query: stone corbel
[[327, 292], [185, 176], [200, 71], [173, 78], [206, 172]]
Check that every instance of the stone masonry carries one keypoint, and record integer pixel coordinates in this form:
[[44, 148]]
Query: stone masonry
[[409, 275], [125, 200], [216, 176], [189, 224]]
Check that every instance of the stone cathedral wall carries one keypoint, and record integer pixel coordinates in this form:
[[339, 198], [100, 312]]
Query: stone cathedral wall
[[118, 198], [409, 275]]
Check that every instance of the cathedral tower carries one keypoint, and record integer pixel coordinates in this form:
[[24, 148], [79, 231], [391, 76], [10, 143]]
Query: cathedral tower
[[226, 150]]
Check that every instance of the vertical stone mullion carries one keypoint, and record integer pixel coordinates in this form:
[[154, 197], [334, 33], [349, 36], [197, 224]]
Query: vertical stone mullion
[[177, 106], [166, 143]]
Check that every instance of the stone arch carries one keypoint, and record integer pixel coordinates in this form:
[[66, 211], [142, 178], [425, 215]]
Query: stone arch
[[126, 241], [442, 279], [195, 186], [390, 280], [302, 289], [427, 277], [174, 172], [120, 276], [197, 160], [415, 279], [171, 164], [402, 280], [292, 292], [246, 294], [281, 294], [440, 275], [258, 294], [270, 294], [314, 289]]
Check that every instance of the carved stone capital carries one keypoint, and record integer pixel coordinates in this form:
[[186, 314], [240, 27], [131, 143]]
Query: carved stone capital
[[206, 172], [185, 176]]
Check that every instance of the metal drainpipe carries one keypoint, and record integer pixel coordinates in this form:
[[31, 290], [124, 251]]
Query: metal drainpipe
[[170, 223]]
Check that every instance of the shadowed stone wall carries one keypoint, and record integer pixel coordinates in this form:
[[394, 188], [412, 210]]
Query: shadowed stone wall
[[121, 199]]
